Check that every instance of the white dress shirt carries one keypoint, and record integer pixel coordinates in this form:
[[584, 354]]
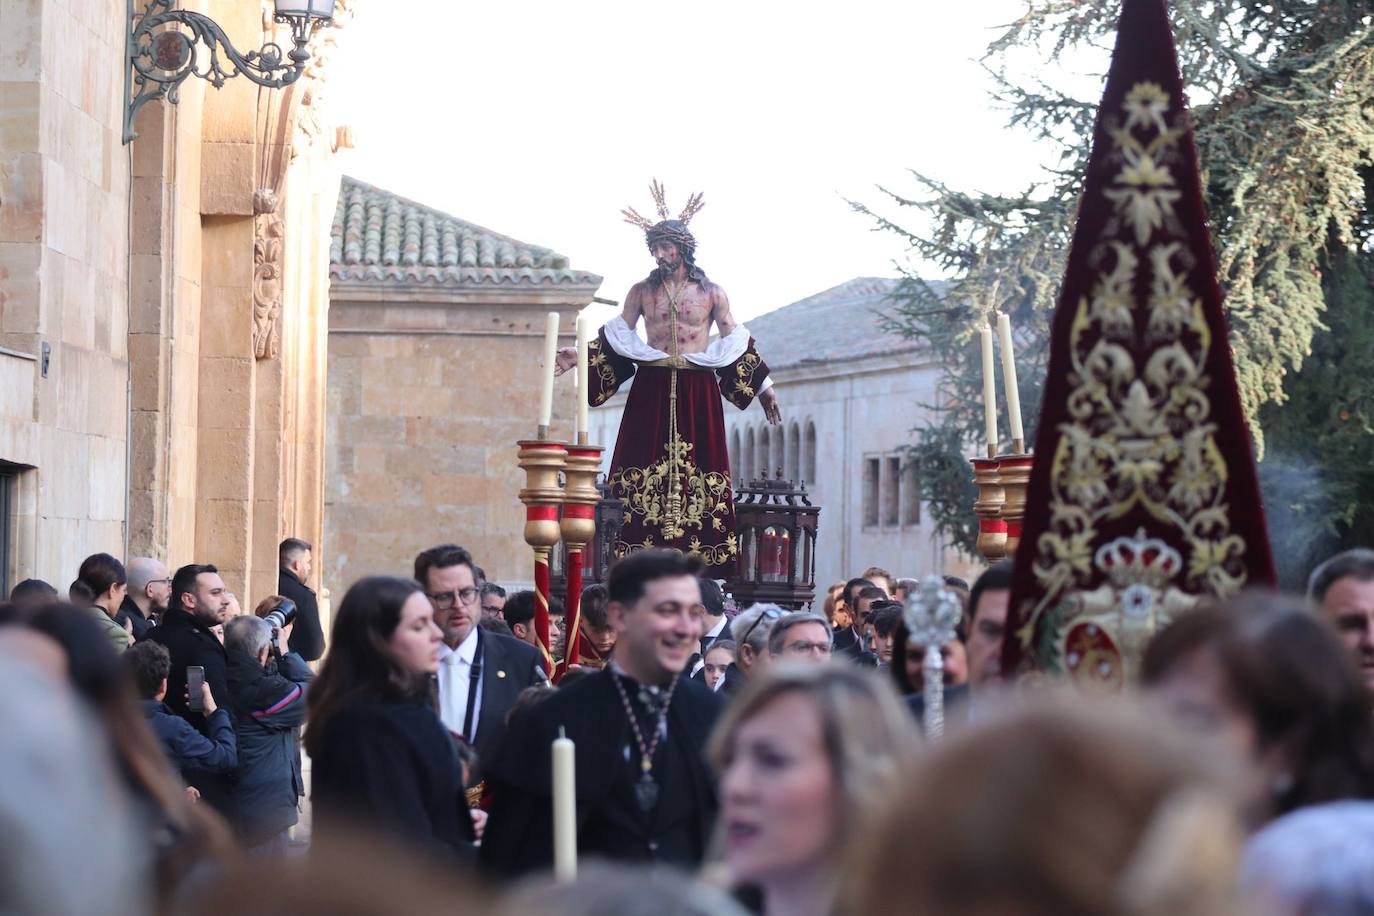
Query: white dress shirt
[[455, 674]]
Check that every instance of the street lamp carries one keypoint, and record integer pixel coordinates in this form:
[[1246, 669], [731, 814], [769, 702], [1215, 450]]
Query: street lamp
[[160, 61]]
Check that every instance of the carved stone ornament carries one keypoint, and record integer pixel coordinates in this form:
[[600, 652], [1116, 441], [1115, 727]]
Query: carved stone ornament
[[268, 231]]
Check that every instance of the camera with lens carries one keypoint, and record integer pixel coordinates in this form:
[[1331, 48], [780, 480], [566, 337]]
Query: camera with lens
[[280, 617]]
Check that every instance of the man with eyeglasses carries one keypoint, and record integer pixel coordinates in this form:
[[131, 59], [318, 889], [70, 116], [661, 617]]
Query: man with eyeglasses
[[150, 590], [493, 599], [480, 673], [751, 627], [802, 636]]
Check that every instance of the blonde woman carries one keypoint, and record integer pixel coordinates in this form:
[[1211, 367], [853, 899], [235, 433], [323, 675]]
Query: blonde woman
[[807, 754]]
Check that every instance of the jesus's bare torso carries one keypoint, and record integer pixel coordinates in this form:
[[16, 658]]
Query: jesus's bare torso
[[696, 306]]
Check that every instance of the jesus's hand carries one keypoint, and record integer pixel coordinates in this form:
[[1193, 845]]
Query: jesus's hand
[[771, 408], [565, 360]]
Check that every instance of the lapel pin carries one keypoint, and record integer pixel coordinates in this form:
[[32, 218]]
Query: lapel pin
[[500, 674]]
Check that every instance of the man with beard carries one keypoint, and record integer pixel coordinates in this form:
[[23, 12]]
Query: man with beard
[[480, 673], [200, 601], [671, 467], [644, 791]]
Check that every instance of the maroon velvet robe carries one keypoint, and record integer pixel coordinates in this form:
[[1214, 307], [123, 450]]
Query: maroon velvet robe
[[675, 484]]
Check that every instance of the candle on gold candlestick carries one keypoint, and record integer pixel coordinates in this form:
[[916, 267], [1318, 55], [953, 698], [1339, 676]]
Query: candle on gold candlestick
[[583, 335], [989, 390], [1018, 434], [564, 808], [546, 391]]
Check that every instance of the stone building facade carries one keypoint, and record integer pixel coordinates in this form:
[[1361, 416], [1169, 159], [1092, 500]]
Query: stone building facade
[[851, 395], [435, 332], [162, 304]]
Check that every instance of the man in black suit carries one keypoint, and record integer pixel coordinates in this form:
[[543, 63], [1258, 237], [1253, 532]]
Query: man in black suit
[[480, 673], [294, 559], [847, 640], [644, 790]]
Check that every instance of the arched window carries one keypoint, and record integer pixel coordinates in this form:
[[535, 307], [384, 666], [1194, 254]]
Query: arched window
[[765, 468], [748, 470], [734, 452], [808, 464], [793, 465]]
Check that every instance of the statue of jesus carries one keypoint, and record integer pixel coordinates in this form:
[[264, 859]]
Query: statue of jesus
[[671, 466]]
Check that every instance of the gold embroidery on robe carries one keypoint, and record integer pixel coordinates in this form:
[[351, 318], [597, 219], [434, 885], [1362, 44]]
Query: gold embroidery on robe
[[701, 502]]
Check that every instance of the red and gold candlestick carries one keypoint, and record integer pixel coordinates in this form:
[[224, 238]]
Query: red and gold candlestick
[[542, 460], [1014, 473], [580, 497], [992, 527]]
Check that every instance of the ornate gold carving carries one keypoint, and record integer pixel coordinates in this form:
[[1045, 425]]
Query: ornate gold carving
[[1141, 434], [675, 496]]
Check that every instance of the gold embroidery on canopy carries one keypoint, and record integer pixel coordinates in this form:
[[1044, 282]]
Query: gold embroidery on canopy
[[1140, 436]]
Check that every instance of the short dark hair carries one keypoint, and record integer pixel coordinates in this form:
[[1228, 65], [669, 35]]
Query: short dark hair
[[184, 580], [441, 557], [33, 590], [80, 594], [148, 664], [871, 593], [595, 600], [291, 548], [995, 578], [496, 625], [99, 572], [519, 608], [956, 582], [628, 577], [852, 586], [885, 617], [491, 588], [712, 597], [1357, 563]]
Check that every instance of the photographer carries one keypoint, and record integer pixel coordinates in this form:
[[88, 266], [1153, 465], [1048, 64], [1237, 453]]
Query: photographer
[[268, 685]]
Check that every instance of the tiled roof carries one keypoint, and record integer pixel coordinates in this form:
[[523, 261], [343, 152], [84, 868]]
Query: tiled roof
[[381, 236], [841, 323]]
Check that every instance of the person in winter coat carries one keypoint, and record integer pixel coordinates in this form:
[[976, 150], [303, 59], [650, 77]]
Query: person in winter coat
[[269, 705], [200, 601], [189, 750]]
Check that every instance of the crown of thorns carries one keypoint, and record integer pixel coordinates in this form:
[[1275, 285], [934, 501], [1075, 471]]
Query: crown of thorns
[[633, 217]]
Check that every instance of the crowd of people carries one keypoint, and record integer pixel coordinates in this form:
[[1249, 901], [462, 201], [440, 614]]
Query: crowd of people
[[761, 760]]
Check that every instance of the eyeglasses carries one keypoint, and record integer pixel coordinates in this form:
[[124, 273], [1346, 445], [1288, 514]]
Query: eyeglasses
[[771, 614], [168, 580], [491, 609], [445, 600]]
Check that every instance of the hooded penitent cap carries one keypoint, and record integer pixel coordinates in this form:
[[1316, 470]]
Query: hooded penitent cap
[[1143, 497]]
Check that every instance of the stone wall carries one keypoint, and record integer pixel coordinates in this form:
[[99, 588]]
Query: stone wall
[[64, 186], [140, 268], [426, 403]]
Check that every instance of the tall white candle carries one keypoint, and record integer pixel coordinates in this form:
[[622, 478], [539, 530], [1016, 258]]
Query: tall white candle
[[550, 354], [989, 390], [1009, 379], [564, 808], [583, 338]]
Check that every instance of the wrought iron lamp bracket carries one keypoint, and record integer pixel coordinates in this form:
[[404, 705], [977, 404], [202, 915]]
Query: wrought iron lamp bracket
[[160, 61]]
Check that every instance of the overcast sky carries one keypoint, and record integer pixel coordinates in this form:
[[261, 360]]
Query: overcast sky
[[542, 119]]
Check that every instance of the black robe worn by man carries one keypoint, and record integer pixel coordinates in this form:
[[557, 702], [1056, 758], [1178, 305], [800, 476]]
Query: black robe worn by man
[[626, 811]]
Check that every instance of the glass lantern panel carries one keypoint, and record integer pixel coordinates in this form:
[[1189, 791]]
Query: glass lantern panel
[[310, 9]]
